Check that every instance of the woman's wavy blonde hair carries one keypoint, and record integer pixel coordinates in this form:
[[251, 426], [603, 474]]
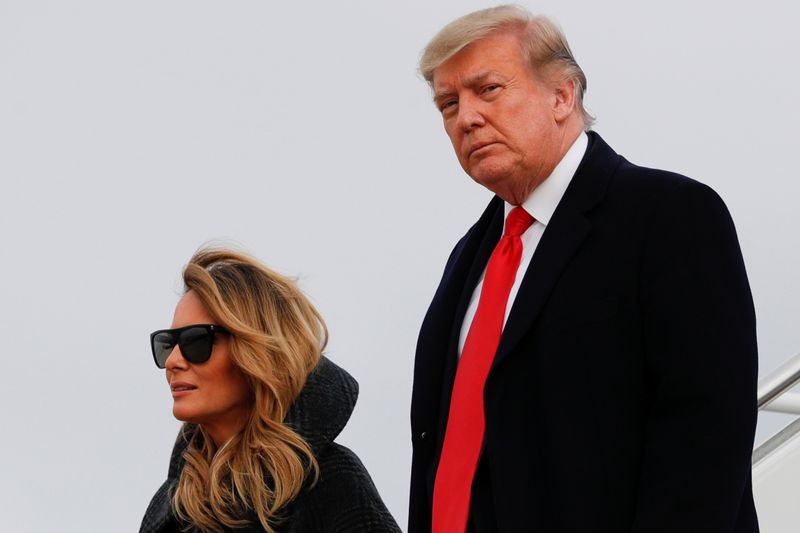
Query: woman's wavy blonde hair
[[276, 340]]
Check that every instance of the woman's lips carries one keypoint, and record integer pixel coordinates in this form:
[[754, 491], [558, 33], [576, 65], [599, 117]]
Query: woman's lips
[[180, 388]]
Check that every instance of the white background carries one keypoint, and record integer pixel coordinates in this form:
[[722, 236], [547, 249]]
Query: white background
[[133, 132]]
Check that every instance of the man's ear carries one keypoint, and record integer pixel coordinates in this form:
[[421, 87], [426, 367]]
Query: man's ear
[[563, 99]]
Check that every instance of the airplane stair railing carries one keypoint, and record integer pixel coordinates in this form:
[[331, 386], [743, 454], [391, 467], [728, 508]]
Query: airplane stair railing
[[776, 463]]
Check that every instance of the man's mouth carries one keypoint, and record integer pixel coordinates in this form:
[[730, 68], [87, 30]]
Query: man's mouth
[[479, 146]]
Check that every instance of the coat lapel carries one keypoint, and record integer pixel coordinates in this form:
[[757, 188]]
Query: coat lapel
[[437, 357], [435, 348], [477, 262], [563, 236]]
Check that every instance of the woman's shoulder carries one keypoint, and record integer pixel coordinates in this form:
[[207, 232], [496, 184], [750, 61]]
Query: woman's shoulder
[[344, 498], [341, 461]]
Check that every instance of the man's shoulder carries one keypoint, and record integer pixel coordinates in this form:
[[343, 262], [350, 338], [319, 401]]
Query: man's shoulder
[[628, 177], [633, 182], [631, 195]]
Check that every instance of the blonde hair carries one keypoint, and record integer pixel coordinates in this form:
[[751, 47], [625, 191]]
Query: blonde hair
[[543, 45], [276, 340]]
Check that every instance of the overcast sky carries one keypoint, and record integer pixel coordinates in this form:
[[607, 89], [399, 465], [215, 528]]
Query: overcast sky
[[133, 132]]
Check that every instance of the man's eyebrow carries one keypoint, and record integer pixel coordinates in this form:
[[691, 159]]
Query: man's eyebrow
[[442, 94], [479, 77], [469, 81]]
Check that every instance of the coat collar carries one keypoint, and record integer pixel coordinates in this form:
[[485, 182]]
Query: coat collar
[[568, 228], [323, 407]]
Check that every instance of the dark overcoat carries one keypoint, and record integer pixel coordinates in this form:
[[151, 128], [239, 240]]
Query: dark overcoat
[[344, 500], [622, 395]]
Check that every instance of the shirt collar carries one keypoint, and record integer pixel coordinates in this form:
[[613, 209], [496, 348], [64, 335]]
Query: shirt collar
[[543, 200]]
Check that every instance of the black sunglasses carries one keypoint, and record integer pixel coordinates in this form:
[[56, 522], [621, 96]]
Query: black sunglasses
[[196, 342]]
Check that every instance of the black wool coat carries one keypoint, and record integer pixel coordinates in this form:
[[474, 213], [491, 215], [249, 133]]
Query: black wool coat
[[344, 499], [622, 397]]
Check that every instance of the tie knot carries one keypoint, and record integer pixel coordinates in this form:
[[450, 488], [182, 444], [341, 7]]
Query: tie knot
[[517, 222]]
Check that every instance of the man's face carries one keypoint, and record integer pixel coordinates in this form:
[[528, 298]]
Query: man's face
[[499, 118]]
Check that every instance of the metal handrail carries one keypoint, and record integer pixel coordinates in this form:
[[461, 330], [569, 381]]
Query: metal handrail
[[773, 395], [778, 382], [788, 403], [775, 442]]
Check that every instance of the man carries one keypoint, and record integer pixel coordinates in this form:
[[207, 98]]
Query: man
[[588, 362]]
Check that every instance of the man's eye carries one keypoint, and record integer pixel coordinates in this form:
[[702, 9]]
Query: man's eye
[[447, 104], [490, 88]]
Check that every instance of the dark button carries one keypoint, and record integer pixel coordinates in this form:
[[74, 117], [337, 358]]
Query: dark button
[[423, 435]]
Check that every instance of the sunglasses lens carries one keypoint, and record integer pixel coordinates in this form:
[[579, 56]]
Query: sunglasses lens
[[196, 344], [163, 344]]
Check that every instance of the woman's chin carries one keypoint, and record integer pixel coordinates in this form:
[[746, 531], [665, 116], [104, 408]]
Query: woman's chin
[[182, 414]]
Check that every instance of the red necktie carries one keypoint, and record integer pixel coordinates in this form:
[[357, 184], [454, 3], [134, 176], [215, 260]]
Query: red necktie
[[465, 424]]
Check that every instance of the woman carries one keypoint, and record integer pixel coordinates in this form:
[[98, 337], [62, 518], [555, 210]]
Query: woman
[[261, 408]]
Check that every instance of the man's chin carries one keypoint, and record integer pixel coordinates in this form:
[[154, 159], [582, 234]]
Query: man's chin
[[496, 180]]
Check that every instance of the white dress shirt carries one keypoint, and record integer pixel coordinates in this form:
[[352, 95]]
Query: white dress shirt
[[540, 204]]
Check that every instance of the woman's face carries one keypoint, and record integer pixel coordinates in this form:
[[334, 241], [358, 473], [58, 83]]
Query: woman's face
[[213, 394]]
